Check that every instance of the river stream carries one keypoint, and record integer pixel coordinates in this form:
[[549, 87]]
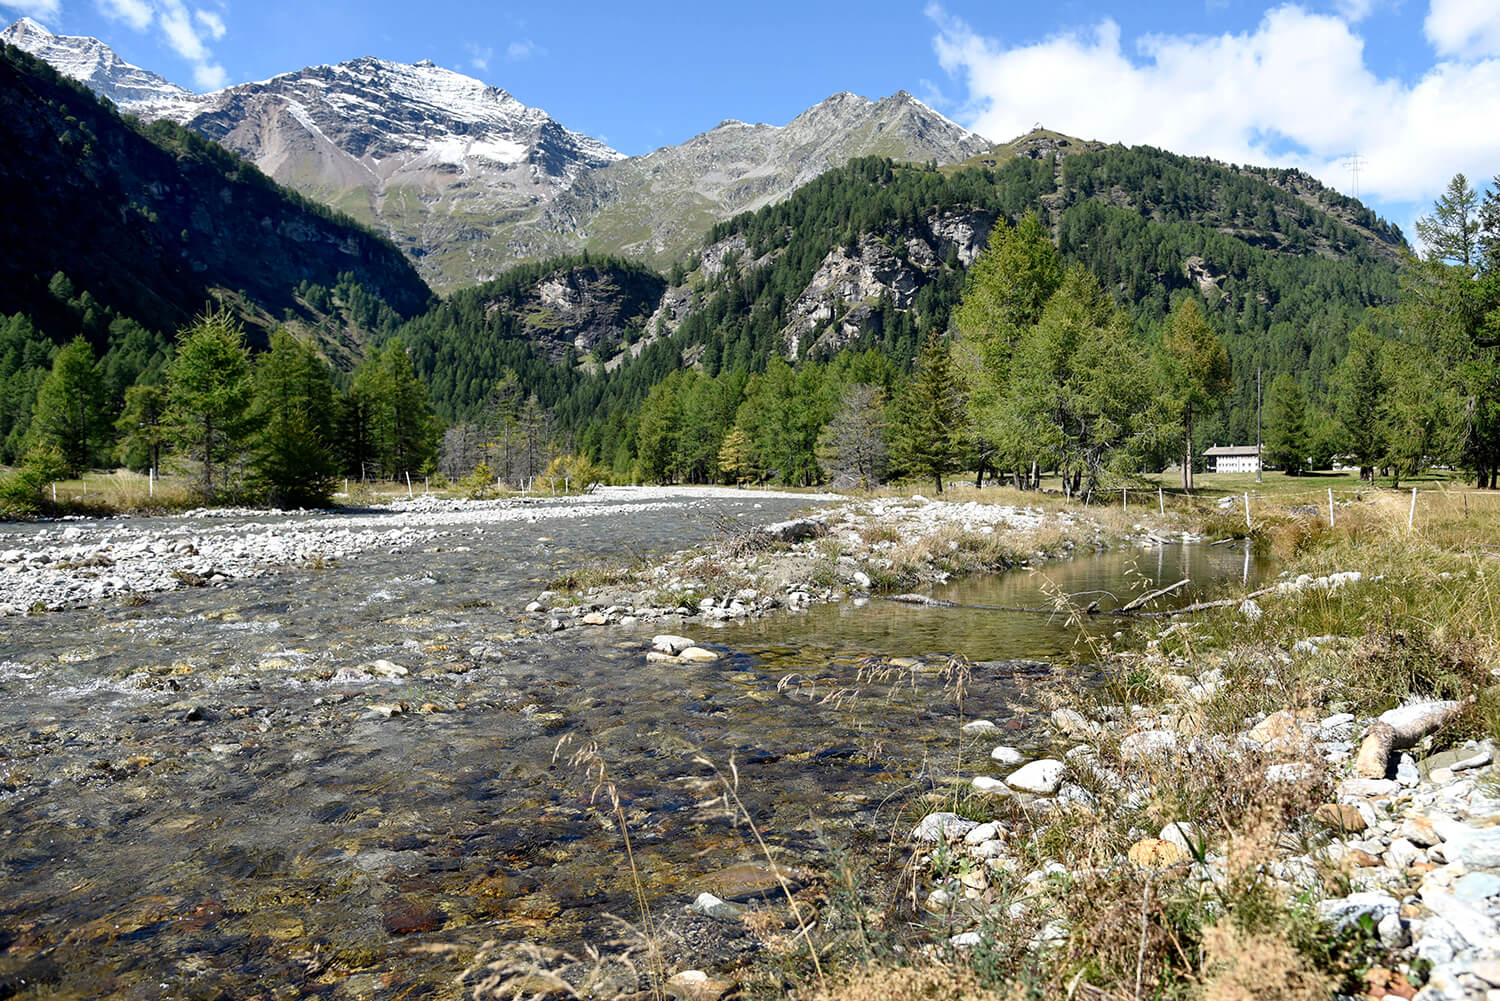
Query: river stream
[[208, 796]]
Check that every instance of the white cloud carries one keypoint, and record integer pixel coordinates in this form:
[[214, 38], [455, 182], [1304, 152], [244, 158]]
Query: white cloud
[[517, 51], [189, 34], [211, 23], [1464, 28], [479, 57], [1295, 91], [42, 10], [136, 13]]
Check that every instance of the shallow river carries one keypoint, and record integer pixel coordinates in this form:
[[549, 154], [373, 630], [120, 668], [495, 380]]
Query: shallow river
[[195, 803]]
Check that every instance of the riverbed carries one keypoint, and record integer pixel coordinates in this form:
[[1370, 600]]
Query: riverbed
[[312, 774]]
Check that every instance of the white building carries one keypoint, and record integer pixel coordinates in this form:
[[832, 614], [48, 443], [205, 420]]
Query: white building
[[1233, 459]]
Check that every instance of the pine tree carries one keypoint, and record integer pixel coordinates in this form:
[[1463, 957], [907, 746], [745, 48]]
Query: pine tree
[[1361, 403], [69, 413], [294, 404], [142, 427], [1287, 443], [929, 425], [209, 395]]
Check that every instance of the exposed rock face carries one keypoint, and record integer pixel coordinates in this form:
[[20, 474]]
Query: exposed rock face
[[585, 306], [844, 296]]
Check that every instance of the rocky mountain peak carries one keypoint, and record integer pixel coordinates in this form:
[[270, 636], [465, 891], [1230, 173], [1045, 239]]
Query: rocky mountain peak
[[92, 63]]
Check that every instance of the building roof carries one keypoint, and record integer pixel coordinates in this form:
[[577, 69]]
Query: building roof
[[1249, 450]]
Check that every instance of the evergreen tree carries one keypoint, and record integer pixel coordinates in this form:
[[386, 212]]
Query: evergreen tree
[[1196, 372], [209, 396], [69, 413], [1287, 443], [294, 405], [142, 427], [1361, 403], [929, 426], [392, 404]]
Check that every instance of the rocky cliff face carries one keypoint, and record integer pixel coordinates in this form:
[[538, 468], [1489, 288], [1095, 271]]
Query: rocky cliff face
[[585, 307], [845, 293]]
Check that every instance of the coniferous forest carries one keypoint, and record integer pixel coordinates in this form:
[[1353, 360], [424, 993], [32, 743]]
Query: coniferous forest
[[1057, 307]]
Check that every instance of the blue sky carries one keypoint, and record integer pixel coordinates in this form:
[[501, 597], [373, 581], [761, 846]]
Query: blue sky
[[1411, 85]]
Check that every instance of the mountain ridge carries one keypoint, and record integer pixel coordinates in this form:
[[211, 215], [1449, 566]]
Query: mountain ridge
[[479, 181]]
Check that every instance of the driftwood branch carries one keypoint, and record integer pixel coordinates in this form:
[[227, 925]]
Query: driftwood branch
[[1398, 729], [1146, 599]]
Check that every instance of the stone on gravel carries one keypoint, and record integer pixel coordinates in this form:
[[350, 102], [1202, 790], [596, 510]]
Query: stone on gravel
[[667, 643], [1042, 777], [937, 827], [714, 907]]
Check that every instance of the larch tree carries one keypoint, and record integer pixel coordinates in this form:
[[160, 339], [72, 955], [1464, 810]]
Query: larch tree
[[854, 442], [1287, 443], [1196, 372], [209, 396], [70, 406]]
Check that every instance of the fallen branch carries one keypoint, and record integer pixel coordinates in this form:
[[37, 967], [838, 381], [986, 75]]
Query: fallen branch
[[1398, 729], [1202, 606], [1146, 599]]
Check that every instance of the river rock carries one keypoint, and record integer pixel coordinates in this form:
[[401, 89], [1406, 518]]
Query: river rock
[[697, 653], [1042, 777], [1007, 755], [1345, 911], [695, 985], [937, 827], [386, 669], [714, 907], [1477, 887], [1340, 817], [1074, 724], [979, 726], [1185, 836], [990, 786], [1154, 853]]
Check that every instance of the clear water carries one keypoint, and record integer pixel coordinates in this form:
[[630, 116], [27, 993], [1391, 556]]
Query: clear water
[[192, 805]]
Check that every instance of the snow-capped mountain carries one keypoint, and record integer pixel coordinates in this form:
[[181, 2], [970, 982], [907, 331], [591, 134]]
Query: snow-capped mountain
[[467, 179], [93, 63]]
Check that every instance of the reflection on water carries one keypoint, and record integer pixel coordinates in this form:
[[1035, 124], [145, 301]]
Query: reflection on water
[[199, 798], [1111, 579]]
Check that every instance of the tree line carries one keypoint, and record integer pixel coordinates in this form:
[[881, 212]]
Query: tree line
[[272, 427]]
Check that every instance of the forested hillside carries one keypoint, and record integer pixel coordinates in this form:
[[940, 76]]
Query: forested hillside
[[873, 257]]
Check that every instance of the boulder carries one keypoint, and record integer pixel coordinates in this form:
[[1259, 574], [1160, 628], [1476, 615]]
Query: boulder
[[1042, 777]]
